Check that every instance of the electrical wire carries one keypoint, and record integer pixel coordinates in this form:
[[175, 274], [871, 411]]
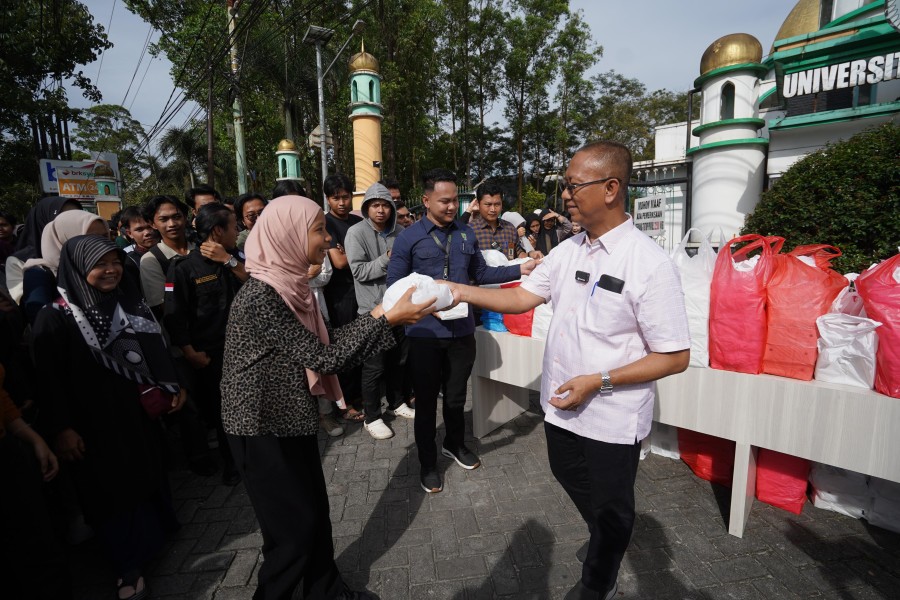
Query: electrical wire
[[138, 65], [103, 55]]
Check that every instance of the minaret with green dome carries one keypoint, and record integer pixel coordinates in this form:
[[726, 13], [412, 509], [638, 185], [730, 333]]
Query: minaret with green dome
[[366, 116]]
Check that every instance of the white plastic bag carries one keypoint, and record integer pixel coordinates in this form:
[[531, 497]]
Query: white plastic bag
[[664, 440], [426, 288], [847, 347], [839, 490], [885, 510], [540, 326], [848, 301], [696, 277]]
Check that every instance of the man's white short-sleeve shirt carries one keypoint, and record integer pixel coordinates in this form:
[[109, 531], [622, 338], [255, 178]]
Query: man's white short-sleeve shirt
[[598, 329]]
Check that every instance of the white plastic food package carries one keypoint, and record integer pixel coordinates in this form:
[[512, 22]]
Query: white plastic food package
[[540, 326], [839, 490], [849, 301], [664, 440], [847, 347], [696, 278], [885, 510], [426, 288]]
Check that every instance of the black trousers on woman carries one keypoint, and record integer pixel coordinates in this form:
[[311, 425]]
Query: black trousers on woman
[[283, 477]]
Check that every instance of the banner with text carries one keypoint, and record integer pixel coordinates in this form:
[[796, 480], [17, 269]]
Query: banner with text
[[650, 215]]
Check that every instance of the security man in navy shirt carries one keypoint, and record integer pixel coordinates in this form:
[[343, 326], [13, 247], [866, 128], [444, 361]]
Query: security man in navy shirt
[[200, 288], [442, 352]]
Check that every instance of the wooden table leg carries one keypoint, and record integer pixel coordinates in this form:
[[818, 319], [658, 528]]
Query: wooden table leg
[[495, 403], [743, 488]]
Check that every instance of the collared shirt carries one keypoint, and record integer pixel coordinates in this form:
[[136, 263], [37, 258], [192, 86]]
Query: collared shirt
[[416, 251], [596, 329], [153, 277], [504, 238]]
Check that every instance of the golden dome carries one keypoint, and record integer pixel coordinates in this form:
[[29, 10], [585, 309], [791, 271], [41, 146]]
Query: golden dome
[[287, 145], [102, 169], [803, 19], [363, 61], [731, 49]]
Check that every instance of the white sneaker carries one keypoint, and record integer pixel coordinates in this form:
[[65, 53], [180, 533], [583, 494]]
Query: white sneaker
[[404, 410], [330, 425], [378, 430]]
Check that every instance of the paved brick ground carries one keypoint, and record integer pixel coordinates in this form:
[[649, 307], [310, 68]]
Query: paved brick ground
[[507, 530]]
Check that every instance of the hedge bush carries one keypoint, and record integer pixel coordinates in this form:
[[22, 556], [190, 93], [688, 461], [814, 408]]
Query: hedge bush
[[846, 194]]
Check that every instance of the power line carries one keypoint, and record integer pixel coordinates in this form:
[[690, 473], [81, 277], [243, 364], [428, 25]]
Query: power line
[[138, 65], [103, 55]]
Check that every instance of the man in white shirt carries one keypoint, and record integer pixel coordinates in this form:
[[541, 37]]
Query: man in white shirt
[[623, 295]]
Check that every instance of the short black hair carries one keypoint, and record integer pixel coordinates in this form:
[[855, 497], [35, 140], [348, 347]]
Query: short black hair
[[430, 178], [209, 217], [244, 199], [201, 190], [287, 187], [489, 188], [129, 214], [9, 217], [391, 184], [336, 182], [153, 204]]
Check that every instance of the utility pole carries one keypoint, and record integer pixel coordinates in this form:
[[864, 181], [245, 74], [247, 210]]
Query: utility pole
[[210, 170], [236, 109]]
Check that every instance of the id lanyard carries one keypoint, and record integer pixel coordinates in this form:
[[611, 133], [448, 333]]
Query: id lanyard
[[446, 249]]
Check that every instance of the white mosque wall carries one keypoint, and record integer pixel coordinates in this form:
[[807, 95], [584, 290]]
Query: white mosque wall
[[727, 184]]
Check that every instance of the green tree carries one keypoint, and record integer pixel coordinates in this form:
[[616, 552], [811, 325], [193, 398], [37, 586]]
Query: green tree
[[846, 194], [110, 128]]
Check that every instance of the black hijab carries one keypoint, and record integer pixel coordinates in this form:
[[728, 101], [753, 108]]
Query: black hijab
[[547, 239], [46, 209], [117, 326]]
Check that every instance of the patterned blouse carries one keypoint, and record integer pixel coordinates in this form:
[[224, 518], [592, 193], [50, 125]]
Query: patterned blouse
[[264, 386]]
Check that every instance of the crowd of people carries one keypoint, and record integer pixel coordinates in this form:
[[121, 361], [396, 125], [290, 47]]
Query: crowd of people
[[249, 326]]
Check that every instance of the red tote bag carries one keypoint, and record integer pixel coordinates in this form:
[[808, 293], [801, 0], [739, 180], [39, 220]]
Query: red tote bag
[[781, 480], [880, 291], [796, 295], [709, 457], [737, 305], [518, 324]]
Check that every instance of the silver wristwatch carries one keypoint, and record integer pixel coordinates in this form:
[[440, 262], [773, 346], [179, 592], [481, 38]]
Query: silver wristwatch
[[606, 385], [232, 263]]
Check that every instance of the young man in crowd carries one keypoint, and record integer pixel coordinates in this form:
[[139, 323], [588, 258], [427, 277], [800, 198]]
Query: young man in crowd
[[340, 295], [613, 333], [494, 233], [199, 292], [368, 246], [442, 352], [140, 234]]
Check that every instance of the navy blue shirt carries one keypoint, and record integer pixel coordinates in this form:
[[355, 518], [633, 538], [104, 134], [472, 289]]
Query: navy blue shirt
[[415, 251]]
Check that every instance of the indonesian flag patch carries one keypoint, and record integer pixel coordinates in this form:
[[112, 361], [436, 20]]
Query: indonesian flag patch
[[170, 287]]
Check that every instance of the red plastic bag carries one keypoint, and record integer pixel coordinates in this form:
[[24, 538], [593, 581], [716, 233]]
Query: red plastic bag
[[737, 305], [880, 291], [518, 324], [796, 295], [709, 457], [781, 480]]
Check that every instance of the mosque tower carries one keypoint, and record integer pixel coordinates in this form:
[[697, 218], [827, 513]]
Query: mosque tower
[[729, 162], [365, 114]]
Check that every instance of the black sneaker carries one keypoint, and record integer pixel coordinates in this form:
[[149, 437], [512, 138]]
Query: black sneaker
[[431, 481], [463, 457]]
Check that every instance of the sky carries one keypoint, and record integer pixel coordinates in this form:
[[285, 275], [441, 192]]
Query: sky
[[658, 42]]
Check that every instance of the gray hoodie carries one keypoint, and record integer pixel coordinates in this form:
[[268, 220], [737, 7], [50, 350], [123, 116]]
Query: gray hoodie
[[367, 248]]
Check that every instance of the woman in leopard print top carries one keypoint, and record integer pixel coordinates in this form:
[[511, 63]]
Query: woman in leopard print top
[[279, 356]]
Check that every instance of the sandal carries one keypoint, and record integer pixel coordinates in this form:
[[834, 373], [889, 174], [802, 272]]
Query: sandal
[[352, 415], [133, 580]]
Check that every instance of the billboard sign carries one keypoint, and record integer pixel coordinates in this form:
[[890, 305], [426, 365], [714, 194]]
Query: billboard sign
[[81, 178], [650, 215]]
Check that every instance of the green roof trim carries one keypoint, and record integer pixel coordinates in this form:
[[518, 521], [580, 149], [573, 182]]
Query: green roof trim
[[727, 123], [836, 116], [727, 143], [757, 68], [832, 28], [855, 13], [765, 95]]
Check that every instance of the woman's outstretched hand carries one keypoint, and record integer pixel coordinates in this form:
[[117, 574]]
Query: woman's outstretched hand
[[404, 312]]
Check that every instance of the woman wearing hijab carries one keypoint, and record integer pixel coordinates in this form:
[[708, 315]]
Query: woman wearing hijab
[[269, 405], [108, 375], [554, 229], [28, 244], [39, 274]]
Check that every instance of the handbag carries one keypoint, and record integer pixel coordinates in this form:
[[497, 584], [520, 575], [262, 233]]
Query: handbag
[[155, 400]]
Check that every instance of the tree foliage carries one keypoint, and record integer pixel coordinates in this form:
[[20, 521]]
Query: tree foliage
[[846, 195], [111, 128]]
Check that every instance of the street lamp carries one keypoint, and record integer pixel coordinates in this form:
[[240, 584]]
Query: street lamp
[[319, 36]]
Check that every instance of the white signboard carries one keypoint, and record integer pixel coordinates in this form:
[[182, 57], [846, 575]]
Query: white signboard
[[79, 177], [650, 215]]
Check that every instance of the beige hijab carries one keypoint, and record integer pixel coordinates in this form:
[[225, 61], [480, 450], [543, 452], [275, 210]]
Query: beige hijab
[[276, 253], [64, 227]]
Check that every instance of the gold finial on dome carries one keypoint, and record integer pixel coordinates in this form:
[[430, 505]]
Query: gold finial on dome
[[287, 145], [732, 49], [363, 61], [102, 169]]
